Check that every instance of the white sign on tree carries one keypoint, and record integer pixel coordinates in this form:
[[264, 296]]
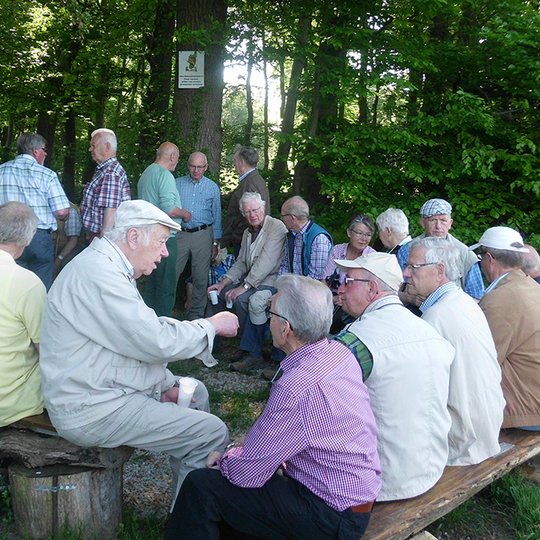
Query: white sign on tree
[[190, 69]]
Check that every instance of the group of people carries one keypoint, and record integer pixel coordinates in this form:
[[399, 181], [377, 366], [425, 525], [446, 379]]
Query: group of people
[[425, 367]]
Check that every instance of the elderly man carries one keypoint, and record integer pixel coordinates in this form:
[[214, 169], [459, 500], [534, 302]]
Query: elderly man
[[27, 180], [308, 244], [393, 229], [201, 233], [67, 238], [531, 263], [250, 281], [436, 220], [475, 398], [104, 351], [406, 367], [108, 188], [22, 299], [512, 308], [245, 161], [156, 185], [317, 429]]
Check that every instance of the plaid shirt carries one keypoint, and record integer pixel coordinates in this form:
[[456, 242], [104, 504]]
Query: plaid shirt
[[26, 181], [109, 188]]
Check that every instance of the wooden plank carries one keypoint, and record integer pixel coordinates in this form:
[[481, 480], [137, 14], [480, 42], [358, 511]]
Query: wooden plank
[[397, 520], [40, 423]]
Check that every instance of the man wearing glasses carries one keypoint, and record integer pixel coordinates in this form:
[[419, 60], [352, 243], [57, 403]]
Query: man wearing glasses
[[25, 179], [201, 231], [406, 367]]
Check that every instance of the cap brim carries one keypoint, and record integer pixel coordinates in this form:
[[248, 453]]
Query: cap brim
[[474, 246], [346, 263]]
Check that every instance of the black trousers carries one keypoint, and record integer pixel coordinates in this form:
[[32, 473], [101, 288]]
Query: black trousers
[[210, 507]]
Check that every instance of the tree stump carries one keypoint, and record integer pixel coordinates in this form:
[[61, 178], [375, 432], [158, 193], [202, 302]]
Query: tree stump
[[49, 500]]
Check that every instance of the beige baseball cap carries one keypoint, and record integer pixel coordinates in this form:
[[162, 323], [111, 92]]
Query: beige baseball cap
[[382, 265], [140, 213]]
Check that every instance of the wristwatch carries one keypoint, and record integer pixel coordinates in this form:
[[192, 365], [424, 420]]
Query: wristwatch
[[246, 286], [61, 257]]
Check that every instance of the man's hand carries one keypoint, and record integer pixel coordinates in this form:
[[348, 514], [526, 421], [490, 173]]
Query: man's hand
[[170, 395], [409, 295], [225, 323], [212, 461], [233, 294], [185, 214], [218, 286]]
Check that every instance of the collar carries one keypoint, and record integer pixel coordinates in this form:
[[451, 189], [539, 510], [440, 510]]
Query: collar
[[436, 295], [106, 162], [405, 240], [493, 284], [7, 257], [27, 157], [304, 228], [387, 300], [245, 174], [128, 267]]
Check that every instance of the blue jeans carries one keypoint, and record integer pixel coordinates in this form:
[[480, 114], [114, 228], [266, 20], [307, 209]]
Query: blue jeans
[[38, 256]]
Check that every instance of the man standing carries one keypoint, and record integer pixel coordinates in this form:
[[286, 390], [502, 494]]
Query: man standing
[[245, 160], [104, 351], [22, 299], [406, 367], [156, 185], [475, 398], [108, 188], [27, 180], [201, 230], [512, 308], [308, 468], [308, 244], [436, 220]]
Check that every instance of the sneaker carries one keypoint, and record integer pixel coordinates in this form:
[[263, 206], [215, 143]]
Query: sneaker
[[249, 362]]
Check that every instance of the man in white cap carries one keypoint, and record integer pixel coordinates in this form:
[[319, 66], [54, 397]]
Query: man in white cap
[[406, 367], [436, 220], [475, 398], [104, 352], [512, 308]]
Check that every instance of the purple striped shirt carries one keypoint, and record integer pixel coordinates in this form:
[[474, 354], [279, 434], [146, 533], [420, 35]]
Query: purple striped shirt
[[319, 424]]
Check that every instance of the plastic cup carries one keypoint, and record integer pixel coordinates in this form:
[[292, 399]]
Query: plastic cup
[[229, 304], [186, 388], [213, 297]]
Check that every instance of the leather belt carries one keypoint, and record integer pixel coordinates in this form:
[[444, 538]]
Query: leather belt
[[362, 508], [195, 229]]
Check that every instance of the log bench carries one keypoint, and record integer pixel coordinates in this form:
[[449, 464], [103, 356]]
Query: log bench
[[56, 484], [398, 520]]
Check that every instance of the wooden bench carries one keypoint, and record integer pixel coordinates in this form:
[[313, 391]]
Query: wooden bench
[[398, 520], [54, 483]]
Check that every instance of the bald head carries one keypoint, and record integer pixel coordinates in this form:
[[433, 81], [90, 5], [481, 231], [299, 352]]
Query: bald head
[[531, 262], [167, 155]]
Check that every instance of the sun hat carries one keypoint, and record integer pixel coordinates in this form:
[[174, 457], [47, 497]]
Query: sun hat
[[383, 265], [140, 213], [501, 238]]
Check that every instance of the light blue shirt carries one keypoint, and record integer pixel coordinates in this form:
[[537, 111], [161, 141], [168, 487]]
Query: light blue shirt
[[436, 295], [493, 284]]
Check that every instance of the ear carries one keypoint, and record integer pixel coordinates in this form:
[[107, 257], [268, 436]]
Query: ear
[[422, 222], [451, 221], [133, 238], [348, 233]]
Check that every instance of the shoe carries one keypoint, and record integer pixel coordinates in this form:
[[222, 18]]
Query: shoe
[[272, 374], [248, 362]]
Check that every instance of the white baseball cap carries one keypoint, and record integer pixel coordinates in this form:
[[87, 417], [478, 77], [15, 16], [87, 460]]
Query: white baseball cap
[[501, 238], [383, 265], [140, 213]]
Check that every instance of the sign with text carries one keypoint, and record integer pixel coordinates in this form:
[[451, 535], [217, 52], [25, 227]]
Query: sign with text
[[190, 69]]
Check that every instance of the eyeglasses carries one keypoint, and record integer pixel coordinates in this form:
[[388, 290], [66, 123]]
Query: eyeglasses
[[413, 267], [250, 212], [197, 167], [361, 234], [270, 314], [348, 280]]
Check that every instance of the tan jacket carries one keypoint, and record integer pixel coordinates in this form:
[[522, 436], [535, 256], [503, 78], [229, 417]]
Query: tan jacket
[[512, 310], [258, 263]]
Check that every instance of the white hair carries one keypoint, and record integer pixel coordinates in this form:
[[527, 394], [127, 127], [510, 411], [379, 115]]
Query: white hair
[[254, 196], [440, 250], [395, 220], [107, 136], [119, 234]]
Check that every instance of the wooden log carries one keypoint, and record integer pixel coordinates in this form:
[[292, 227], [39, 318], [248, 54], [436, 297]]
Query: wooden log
[[36, 450], [49, 500]]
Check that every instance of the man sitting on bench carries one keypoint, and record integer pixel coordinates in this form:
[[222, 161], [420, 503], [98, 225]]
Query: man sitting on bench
[[104, 351], [22, 298]]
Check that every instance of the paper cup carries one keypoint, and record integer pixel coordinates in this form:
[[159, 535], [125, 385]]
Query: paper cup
[[213, 297], [186, 388], [229, 304]]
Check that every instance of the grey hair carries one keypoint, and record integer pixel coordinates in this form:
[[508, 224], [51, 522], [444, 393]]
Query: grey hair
[[507, 258], [254, 196], [17, 223], [248, 154], [530, 262], [298, 207], [395, 220], [307, 304], [440, 250], [28, 142], [107, 135], [119, 234]]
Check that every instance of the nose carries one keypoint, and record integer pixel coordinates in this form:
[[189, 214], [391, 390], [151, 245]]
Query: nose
[[407, 273], [341, 289]]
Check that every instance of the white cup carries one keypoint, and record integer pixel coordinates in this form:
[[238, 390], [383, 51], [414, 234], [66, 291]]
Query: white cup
[[213, 297], [229, 304], [186, 388]]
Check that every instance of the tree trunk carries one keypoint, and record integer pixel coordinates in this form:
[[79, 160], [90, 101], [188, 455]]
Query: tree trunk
[[46, 127], [198, 111], [249, 100], [70, 143], [265, 109]]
